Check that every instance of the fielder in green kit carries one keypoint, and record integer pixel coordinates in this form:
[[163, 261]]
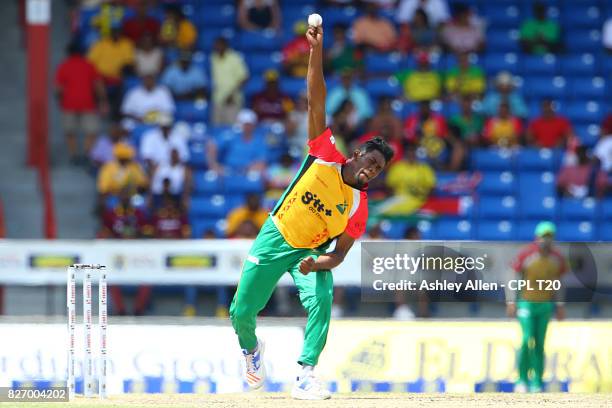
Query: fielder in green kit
[[535, 306], [326, 202]]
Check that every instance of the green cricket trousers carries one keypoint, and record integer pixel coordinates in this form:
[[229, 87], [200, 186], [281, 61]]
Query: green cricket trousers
[[269, 258], [533, 318]]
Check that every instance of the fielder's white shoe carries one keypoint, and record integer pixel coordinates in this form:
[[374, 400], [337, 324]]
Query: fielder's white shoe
[[308, 387], [255, 373]]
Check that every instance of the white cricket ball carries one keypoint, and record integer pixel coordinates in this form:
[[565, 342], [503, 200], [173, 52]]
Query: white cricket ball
[[315, 20]]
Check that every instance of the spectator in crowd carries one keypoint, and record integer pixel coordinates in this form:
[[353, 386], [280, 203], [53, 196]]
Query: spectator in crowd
[[123, 173], [296, 127], [147, 102], [278, 176], [270, 104], [607, 35], [348, 89], [157, 143], [172, 179], [504, 91], [345, 125], [343, 54], [112, 56], [259, 15], [374, 32], [429, 130], [549, 129], [422, 83], [108, 15], [248, 151], [436, 11], [583, 179], [252, 212], [102, 150], [185, 79], [81, 92], [503, 130], [465, 79], [176, 29], [467, 125], [540, 35], [141, 24], [424, 37], [229, 74], [296, 52], [386, 119], [148, 58], [411, 181], [603, 152], [464, 33], [606, 125], [169, 221]]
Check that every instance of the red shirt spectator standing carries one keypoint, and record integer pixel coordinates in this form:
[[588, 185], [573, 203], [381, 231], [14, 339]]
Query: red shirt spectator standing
[[77, 85], [271, 104], [169, 221], [140, 24], [549, 129]]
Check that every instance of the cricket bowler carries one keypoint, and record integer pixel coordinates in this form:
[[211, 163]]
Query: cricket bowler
[[535, 305], [325, 202]]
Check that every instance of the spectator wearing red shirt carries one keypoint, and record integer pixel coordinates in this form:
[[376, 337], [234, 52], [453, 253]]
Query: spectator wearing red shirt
[[141, 24], [583, 179], [271, 104], [169, 220], [430, 131], [296, 52], [606, 125], [77, 85], [549, 129]]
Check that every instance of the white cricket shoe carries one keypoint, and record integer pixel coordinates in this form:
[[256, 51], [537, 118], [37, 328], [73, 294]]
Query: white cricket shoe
[[309, 387], [255, 373]]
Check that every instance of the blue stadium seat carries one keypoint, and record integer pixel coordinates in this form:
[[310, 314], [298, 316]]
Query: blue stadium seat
[[454, 229], [592, 88], [584, 40], [249, 41], [605, 231], [343, 15], [537, 207], [584, 112], [492, 159], [197, 155], [501, 16], [253, 85], [382, 63], [244, 184], [383, 87], [494, 183], [578, 210], [205, 42], [587, 134], [207, 183], [294, 13], [503, 40], [393, 230], [581, 15], [201, 225], [496, 231], [526, 229], [545, 87], [533, 184], [494, 63], [578, 64], [222, 15], [261, 62], [192, 111], [495, 208], [137, 133], [577, 231], [539, 65], [292, 86], [209, 206], [605, 209], [538, 159]]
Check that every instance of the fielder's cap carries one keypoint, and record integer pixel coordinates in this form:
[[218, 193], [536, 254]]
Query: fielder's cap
[[123, 151], [271, 75], [504, 78], [247, 116], [545, 228]]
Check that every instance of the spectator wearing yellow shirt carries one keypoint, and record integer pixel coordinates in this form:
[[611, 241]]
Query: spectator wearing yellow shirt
[[121, 174], [465, 79], [229, 74], [111, 55], [411, 182], [252, 212], [422, 83], [504, 129], [176, 30]]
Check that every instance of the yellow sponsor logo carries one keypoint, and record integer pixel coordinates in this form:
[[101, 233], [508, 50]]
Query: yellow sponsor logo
[[191, 261], [52, 261]]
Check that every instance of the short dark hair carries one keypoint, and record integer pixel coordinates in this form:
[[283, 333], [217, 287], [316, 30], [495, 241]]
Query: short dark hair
[[378, 143]]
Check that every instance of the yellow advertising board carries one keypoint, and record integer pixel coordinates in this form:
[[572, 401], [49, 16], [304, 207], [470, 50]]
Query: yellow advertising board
[[463, 353]]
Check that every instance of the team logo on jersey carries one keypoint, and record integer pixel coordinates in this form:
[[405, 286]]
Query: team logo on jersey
[[342, 207], [317, 205]]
